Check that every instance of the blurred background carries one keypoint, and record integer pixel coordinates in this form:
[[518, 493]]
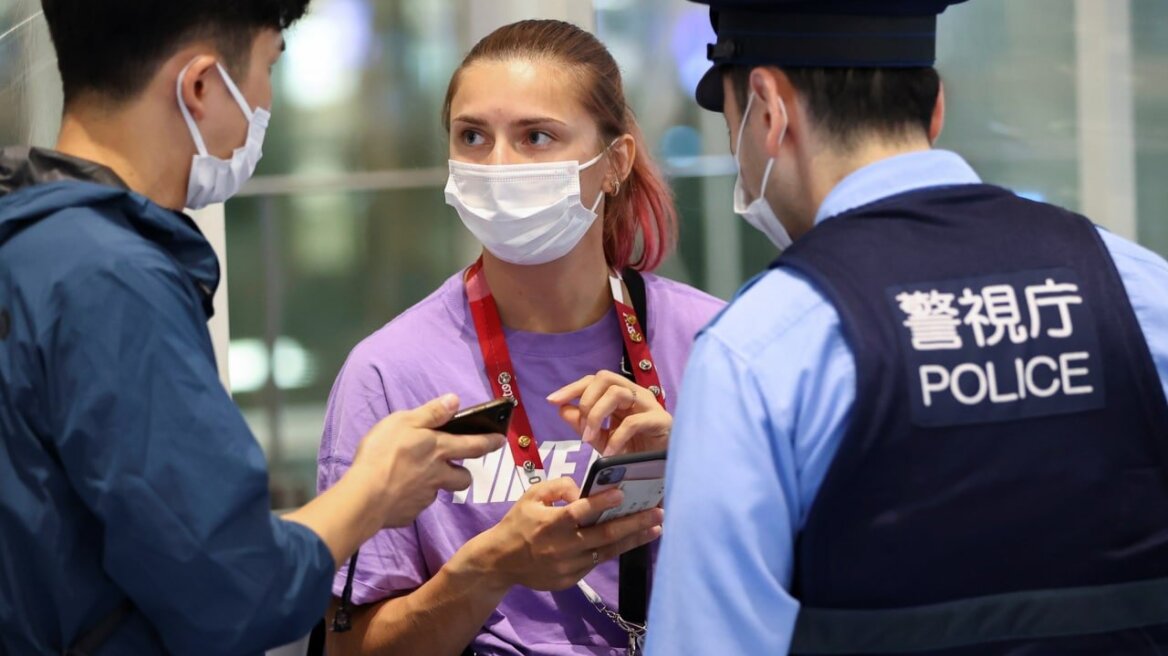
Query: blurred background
[[345, 224]]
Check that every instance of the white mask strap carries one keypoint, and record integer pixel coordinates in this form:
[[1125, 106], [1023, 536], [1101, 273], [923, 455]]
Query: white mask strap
[[592, 162], [186, 112], [235, 92], [771, 163], [742, 129], [182, 105], [599, 198]]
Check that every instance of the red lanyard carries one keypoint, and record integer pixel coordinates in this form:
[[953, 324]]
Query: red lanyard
[[501, 371]]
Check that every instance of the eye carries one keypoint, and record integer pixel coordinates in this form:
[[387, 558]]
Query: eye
[[538, 138], [472, 138]]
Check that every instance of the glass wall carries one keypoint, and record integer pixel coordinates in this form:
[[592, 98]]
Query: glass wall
[[345, 226], [30, 89], [1150, 90]]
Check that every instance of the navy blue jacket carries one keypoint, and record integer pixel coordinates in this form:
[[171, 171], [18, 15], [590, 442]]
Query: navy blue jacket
[[126, 472]]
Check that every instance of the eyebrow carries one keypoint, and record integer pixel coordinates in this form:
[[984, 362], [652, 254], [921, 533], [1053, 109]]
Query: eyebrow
[[523, 122]]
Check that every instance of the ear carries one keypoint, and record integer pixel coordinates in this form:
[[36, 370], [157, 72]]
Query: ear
[[775, 99], [194, 84], [937, 125], [622, 154]]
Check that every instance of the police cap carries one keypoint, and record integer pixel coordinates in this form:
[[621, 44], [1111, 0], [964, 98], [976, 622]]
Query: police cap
[[819, 34]]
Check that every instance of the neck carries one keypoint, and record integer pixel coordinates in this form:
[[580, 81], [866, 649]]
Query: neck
[[830, 168], [122, 141], [564, 296]]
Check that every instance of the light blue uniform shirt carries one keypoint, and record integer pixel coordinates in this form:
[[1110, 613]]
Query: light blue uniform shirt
[[767, 398]]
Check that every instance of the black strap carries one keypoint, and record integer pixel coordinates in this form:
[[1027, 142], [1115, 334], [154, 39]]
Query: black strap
[[92, 640], [634, 565], [1029, 615], [342, 619]]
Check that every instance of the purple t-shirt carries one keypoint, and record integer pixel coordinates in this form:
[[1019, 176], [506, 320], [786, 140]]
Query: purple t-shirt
[[433, 349]]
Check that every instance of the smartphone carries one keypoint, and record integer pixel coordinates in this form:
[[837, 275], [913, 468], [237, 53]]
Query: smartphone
[[641, 476], [491, 417]]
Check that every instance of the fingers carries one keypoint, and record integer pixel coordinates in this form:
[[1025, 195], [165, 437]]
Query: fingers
[[638, 539], [433, 414], [614, 399], [586, 511], [619, 532], [555, 490], [466, 447], [582, 564], [598, 440], [572, 416], [578, 566], [595, 439], [600, 384], [570, 392], [653, 427], [455, 479]]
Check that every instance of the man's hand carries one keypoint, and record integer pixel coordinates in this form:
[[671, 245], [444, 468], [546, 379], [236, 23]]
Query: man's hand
[[406, 461]]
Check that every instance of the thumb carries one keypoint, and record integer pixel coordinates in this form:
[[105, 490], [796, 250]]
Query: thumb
[[435, 413], [554, 491]]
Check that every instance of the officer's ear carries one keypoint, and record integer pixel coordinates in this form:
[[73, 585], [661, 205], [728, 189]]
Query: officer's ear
[[778, 104], [937, 125]]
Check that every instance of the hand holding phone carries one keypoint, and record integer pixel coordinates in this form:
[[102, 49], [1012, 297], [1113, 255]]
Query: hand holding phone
[[493, 417], [640, 477]]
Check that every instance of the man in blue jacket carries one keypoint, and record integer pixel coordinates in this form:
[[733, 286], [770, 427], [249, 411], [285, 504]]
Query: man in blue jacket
[[938, 424], [134, 509]]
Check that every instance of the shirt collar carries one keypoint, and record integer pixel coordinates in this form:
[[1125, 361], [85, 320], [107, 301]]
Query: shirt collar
[[894, 176]]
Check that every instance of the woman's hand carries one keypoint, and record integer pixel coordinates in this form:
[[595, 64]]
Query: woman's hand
[[550, 547], [614, 415]]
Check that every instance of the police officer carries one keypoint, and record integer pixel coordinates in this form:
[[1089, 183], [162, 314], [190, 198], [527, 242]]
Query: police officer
[[937, 424]]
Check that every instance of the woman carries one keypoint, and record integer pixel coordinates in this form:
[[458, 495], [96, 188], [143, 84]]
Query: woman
[[548, 171]]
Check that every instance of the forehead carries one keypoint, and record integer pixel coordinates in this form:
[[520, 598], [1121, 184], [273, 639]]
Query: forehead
[[499, 89]]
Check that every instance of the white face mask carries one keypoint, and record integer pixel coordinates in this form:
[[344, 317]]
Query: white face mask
[[523, 213], [214, 180], [759, 213]]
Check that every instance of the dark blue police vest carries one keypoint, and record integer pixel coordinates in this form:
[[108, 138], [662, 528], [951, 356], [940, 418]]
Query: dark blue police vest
[[1003, 487]]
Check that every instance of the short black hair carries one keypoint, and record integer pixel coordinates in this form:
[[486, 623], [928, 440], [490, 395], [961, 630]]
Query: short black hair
[[848, 104], [112, 48]]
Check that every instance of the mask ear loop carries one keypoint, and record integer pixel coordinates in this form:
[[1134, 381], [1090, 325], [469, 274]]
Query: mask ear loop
[[766, 177], [783, 135], [742, 130], [186, 112], [248, 112], [235, 92], [591, 163], [599, 199]]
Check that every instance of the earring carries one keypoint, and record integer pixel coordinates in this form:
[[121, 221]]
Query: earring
[[616, 188]]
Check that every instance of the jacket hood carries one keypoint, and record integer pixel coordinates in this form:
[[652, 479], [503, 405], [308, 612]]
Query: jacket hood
[[35, 184]]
